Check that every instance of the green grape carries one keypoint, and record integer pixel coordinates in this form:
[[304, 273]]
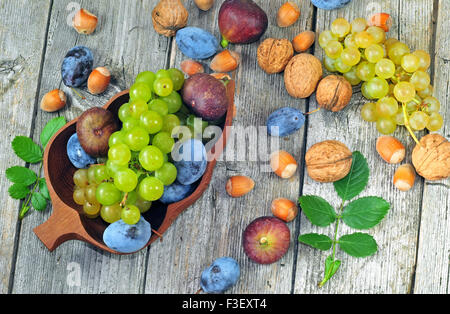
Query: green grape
[[138, 107], [329, 64], [325, 37], [125, 180], [159, 106], [386, 126], [146, 77], [431, 104], [90, 194], [385, 68], [132, 198], [140, 91], [350, 56], [410, 63], [341, 66], [365, 71], [365, 92], [389, 42], [404, 92], [107, 194], [101, 174], [333, 49], [398, 117], [419, 120], [424, 59], [177, 78], [391, 89], [349, 41], [340, 27], [143, 205], [78, 196], [137, 138], [111, 214], [80, 178], [129, 124], [400, 75], [124, 112], [427, 92], [91, 210], [411, 107], [151, 158], [368, 112], [352, 77], [386, 107], [173, 102], [116, 138], [171, 121], [359, 25], [151, 189], [119, 154], [162, 73], [378, 34], [163, 86], [421, 80], [377, 87], [151, 121], [112, 167], [435, 123], [130, 215], [167, 174], [91, 174], [364, 39], [374, 53], [164, 142], [396, 51]]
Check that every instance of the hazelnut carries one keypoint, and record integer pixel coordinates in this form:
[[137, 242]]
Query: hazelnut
[[283, 164], [169, 16], [204, 5], [84, 22], [98, 80], [334, 93], [191, 67], [274, 54], [303, 41], [53, 101], [288, 14], [225, 61], [284, 209], [328, 161], [302, 74], [431, 157], [238, 186]]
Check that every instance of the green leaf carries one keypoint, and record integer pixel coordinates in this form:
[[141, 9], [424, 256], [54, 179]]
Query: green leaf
[[358, 244], [21, 175], [356, 181], [317, 210], [24, 211], [38, 201], [331, 267], [18, 191], [317, 241], [26, 149], [365, 213], [50, 129], [43, 188]]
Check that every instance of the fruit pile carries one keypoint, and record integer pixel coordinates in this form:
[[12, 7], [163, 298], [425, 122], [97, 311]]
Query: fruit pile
[[393, 77]]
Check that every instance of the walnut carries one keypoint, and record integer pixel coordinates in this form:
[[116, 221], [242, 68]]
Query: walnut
[[431, 157], [334, 93], [169, 16], [302, 74], [328, 161], [274, 54]]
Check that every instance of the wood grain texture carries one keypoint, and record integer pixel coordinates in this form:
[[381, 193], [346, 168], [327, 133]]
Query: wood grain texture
[[22, 42], [391, 269], [432, 270]]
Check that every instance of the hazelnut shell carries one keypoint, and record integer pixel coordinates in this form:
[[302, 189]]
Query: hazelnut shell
[[302, 74], [274, 54], [431, 157], [334, 93]]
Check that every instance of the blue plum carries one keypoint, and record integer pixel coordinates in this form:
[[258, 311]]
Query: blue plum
[[176, 192], [330, 4], [77, 156], [285, 121], [190, 160], [125, 238], [77, 66], [223, 274], [196, 43]]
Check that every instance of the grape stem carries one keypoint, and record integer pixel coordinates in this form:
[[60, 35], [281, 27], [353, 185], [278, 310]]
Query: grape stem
[[78, 94], [408, 127], [124, 200], [158, 234], [314, 111]]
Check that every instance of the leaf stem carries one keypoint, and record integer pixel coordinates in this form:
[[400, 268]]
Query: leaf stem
[[30, 195]]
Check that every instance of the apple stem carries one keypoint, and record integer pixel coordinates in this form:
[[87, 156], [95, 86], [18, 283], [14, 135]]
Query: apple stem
[[224, 43], [263, 240]]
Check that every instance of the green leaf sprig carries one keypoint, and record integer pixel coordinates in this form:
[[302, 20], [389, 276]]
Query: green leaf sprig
[[362, 214], [27, 184]]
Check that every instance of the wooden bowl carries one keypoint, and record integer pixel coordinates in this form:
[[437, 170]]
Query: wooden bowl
[[68, 222]]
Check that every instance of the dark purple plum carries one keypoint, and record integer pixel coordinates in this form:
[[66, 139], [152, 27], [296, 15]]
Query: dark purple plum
[[77, 66], [285, 121], [77, 156], [190, 159], [176, 192]]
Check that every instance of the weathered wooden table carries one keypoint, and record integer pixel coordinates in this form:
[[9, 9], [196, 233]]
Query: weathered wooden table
[[413, 239]]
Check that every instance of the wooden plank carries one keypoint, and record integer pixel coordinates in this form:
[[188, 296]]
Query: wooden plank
[[213, 226], [126, 43], [432, 271], [22, 39], [392, 268]]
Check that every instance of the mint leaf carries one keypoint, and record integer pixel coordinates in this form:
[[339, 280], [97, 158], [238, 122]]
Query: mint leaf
[[317, 241], [317, 210], [18, 191], [331, 267], [43, 188], [26, 149], [365, 213], [358, 244], [50, 129], [21, 175], [38, 201], [356, 181]]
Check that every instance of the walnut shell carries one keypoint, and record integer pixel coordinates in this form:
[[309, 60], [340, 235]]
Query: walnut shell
[[169, 16], [274, 54], [431, 157], [302, 74], [328, 161], [334, 93]]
